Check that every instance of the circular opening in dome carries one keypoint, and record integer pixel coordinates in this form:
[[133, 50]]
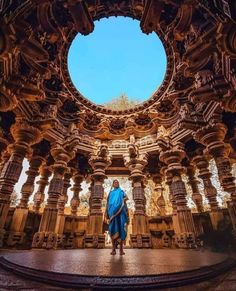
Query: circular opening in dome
[[117, 66]]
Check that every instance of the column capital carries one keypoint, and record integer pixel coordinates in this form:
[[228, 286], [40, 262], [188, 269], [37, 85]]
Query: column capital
[[25, 134], [135, 162], [61, 157], [100, 161], [212, 137], [173, 158]]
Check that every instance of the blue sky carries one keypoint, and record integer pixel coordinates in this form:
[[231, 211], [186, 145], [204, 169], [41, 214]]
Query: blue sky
[[117, 58]]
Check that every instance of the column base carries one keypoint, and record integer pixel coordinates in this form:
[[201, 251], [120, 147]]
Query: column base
[[175, 221], [140, 224], [2, 236], [140, 240], [15, 238], [79, 240], [60, 241], [185, 222], [44, 240], [216, 217], [185, 240], [96, 241], [17, 235], [232, 212], [60, 223], [4, 209], [48, 220]]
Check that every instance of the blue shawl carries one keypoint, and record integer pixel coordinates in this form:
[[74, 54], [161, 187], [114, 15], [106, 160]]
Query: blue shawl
[[117, 213]]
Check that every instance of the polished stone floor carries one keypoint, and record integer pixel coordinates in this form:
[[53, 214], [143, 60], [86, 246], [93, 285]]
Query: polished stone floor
[[9, 281], [101, 263]]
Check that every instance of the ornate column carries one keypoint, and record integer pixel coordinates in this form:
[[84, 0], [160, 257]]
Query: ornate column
[[24, 136], [78, 233], [193, 183], [175, 220], [94, 236], [63, 198], [4, 155], [157, 179], [4, 159], [184, 225], [75, 201], [210, 191], [136, 162], [45, 172], [212, 137], [17, 234], [46, 237]]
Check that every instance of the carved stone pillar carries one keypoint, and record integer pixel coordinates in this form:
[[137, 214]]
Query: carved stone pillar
[[17, 234], [212, 137], [4, 159], [136, 162], [24, 136], [210, 191], [193, 183], [74, 204], [75, 201], [63, 198], [94, 236], [46, 237], [184, 226], [4, 155], [173, 202], [161, 204], [45, 172]]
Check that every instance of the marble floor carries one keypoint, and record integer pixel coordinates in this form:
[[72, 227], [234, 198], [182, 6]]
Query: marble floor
[[136, 262]]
